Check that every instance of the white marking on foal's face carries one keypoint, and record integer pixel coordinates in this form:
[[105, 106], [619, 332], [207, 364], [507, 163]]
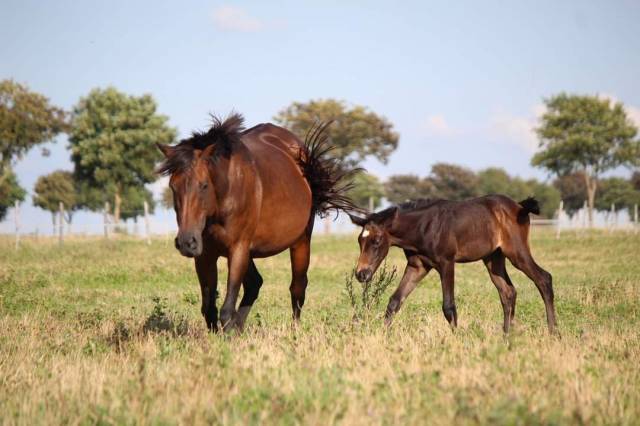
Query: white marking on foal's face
[[365, 233]]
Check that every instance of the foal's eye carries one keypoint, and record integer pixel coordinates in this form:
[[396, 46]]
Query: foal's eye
[[377, 241], [203, 185]]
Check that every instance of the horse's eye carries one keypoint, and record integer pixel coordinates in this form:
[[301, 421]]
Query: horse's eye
[[203, 186]]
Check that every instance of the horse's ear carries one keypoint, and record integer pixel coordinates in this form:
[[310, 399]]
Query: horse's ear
[[167, 150], [359, 221], [208, 151]]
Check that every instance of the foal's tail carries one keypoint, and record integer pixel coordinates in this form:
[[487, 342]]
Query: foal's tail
[[530, 205], [328, 178]]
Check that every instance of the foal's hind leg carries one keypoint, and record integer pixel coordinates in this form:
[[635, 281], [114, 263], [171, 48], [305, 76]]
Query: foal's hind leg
[[300, 253], [447, 273], [521, 258], [498, 273], [251, 284]]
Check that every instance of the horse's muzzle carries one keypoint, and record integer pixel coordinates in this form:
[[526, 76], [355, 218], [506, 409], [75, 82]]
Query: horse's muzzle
[[188, 244], [364, 275]]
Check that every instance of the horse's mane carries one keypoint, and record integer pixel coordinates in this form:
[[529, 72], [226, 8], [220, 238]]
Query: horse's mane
[[223, 134], [407, 206]]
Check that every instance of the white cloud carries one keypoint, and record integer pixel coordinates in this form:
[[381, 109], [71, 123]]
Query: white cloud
[[231, 18], [437, 125], [518, 130]]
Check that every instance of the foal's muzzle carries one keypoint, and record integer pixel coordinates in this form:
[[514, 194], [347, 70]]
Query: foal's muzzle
[[364, 275], [189, 244]]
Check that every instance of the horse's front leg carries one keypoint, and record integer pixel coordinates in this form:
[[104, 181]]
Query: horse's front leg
[[238, 263], [207, 270]]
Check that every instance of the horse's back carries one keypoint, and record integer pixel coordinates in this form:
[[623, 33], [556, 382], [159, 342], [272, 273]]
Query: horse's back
[[286, 196]]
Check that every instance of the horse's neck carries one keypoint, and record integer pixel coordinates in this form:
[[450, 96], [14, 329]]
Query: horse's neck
[[403, 231]]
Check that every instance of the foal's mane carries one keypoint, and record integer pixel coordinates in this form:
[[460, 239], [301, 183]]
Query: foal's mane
[[222, 134], [407, 206]]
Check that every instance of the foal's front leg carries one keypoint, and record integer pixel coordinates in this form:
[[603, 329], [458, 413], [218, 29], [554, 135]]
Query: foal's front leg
[[238, 263], [446, 270], [413, 273]]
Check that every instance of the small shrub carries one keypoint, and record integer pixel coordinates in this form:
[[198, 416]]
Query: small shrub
[[371, 291]]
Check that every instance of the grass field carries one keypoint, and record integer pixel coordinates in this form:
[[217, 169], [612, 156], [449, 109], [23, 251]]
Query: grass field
[[111, 333]]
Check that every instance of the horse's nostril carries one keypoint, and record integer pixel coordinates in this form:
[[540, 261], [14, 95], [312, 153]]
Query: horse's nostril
[[176, 243], [193, 244]]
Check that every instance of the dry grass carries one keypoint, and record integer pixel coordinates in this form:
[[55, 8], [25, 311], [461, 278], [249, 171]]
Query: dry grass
[[111, 333]]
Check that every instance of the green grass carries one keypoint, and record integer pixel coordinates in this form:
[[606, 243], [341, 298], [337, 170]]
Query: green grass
[[110, 332]]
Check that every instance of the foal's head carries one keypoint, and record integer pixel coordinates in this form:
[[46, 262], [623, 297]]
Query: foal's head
[[374, 241], [191, 165]]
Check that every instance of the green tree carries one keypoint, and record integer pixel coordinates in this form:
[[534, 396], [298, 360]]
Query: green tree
[[356, 131], [494, 180], [26, 119], [133, 200], [113, 138], [10, 191], [366, 187], [167, 198], [572, 190], [401, 188], [635, 180], [586, 134], [54, 188], [454, 182], [619, 192]]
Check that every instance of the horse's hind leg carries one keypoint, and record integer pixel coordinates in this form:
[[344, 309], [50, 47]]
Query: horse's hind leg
[[521, 258], [300, 253], [251, 285], [498, 273]]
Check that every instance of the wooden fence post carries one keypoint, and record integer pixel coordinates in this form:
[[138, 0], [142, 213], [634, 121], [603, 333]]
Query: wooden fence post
[[146, 222], [635, 217], [60, 223], [16, 214], [612, 214], [106, 220], [560, 211]]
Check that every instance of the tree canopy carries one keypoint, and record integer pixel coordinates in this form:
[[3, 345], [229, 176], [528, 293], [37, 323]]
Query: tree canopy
[[454, 182], [113, 137], [405, 187], [366, 187], [585, 134], [10, 191], [356, 132], [26, 119], [617, 191], [54, 188]]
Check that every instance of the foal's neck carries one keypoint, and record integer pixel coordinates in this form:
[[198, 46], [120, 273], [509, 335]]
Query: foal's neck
[[404, 232]]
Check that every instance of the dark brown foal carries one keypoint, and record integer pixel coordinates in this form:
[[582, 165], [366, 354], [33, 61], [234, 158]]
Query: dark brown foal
[[439, 233]]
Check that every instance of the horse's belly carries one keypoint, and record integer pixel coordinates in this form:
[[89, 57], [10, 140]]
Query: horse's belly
[[284, 216]]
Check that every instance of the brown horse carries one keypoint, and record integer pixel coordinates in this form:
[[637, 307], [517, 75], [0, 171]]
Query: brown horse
[[245, 195], [440, 233]]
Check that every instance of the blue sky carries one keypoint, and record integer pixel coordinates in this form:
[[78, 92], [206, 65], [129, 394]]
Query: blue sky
[[462, 81]]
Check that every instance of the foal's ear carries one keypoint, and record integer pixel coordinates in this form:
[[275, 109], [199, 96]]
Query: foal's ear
[[167, 150], [359, 221], [387, 216]]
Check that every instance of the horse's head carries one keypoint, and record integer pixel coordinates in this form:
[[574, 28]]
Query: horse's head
[[374, 241], [194, 195]]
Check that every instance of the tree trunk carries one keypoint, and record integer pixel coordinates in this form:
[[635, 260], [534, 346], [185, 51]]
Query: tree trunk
[[117, 201], [53, 221], [591, 183]]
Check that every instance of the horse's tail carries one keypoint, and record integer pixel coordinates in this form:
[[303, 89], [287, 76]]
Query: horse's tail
[[530, 205], [329, 180]]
